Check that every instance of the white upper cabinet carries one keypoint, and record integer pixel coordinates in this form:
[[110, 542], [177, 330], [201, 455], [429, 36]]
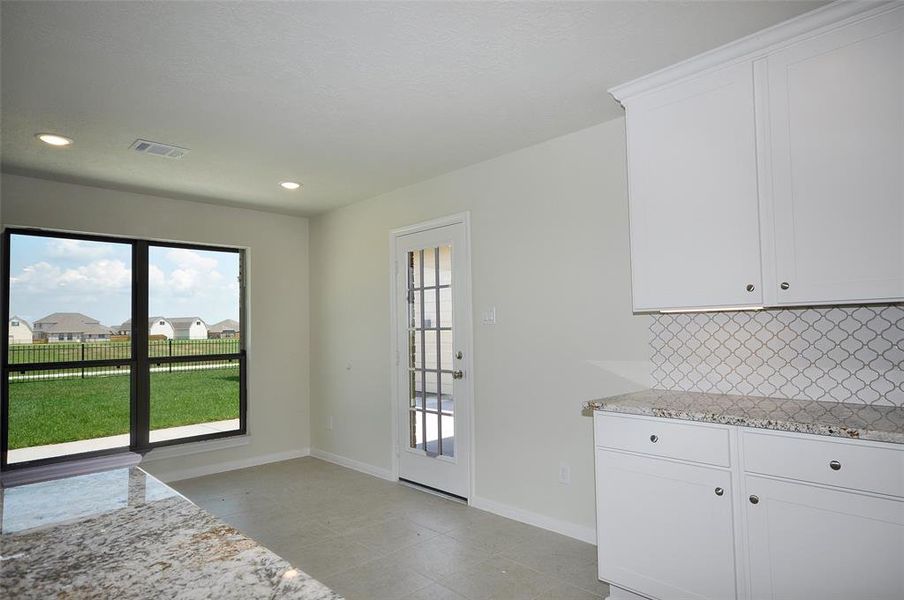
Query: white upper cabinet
[[774, 164], [693, 193], [835, 207]]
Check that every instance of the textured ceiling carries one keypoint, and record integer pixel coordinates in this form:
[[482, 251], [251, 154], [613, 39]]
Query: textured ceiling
[[351, 99]]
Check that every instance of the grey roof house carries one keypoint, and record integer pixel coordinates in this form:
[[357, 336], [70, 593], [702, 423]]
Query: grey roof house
[[227, 328], [70, 327], [157, 326], [189, 328]]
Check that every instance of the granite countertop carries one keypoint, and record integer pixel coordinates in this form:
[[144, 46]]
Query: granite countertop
[[124, 534], [838, 419]]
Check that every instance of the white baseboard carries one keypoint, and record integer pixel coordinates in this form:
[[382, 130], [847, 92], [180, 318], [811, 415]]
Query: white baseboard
[[222, 467], [352, 464], [572, 530]]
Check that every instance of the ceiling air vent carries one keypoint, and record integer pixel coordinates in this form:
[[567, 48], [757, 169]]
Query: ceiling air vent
[[158, 149]]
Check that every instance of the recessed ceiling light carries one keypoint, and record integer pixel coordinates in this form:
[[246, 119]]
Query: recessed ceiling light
[[54, 139], [290, 185]]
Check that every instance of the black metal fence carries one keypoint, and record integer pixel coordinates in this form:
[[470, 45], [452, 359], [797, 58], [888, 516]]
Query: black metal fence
[[68, 351], [26, 354]]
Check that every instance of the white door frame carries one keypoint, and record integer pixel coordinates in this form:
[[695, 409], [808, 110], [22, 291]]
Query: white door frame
[[463, 218]]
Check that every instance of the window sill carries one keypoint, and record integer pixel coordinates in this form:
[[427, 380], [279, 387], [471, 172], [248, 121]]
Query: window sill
[[189, 448], [70, 468]]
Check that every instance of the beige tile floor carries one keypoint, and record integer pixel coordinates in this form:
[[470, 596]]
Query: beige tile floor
[[372, 539]]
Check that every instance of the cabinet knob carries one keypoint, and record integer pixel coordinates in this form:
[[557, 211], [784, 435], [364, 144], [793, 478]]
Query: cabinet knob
[[654, 438], [784, 285], [835, 465], [750, 287], [719, 491], [754, 500]]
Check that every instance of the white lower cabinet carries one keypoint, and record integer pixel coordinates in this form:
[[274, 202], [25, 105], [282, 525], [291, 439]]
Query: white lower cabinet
[[812, 542], [791, 517], [665, 528]]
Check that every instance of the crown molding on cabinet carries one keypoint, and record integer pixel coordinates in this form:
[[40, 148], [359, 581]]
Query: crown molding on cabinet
[[755, 45]]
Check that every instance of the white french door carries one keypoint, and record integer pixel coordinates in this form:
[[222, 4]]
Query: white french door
[[432, 352]]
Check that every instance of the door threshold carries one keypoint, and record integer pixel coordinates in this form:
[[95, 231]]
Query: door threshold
[[434, 491]]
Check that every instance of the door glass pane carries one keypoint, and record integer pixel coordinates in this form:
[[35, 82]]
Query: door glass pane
[[445, 265], [444, 315], [431, 351], [446, 351], [414, 310], [194, 398], [429, 267], [414, 270]]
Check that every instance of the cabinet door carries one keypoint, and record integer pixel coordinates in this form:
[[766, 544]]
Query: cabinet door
[[836, 204], [810, 542], [693, 193], [663, 531]]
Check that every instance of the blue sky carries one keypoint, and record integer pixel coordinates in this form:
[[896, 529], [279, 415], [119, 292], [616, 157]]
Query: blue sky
[[50, 275]]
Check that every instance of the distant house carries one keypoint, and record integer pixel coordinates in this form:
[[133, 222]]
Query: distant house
[[227, 328], [20, 331], [189, 328], [156, 326], [70, 327]]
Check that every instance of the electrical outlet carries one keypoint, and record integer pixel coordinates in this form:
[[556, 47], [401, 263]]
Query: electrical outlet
[[329, 423], [564, 473]]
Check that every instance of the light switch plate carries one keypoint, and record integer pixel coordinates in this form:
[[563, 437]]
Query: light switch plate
[[489, 316]]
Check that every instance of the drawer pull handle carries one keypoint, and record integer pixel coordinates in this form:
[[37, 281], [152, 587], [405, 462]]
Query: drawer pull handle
[[754, 500], [719, 491], [654, 438], [835, 465]]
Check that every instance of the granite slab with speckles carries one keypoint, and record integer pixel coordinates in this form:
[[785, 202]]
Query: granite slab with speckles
[[837, 419], [124, 534]]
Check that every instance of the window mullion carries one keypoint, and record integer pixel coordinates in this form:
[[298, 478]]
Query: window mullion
[[141, 374]]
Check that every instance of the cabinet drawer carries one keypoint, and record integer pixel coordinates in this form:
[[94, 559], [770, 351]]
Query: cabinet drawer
[[842, 463], [663, 437]]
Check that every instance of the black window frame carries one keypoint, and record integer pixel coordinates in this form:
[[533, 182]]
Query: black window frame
[[139, 362]]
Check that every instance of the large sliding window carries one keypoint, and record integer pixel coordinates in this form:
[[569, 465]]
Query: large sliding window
[[81, 378]]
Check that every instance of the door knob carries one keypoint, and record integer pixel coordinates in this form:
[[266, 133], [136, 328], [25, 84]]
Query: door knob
[[754, 500], [654, 438], [784, 285], [750, 287], [457, 374], [719, 491], [835, 465]]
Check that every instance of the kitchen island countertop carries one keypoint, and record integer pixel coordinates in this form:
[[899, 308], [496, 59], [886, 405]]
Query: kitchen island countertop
[[124, 534]]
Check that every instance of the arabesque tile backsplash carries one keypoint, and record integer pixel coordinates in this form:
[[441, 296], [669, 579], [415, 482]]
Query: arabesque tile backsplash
[[847, 354]]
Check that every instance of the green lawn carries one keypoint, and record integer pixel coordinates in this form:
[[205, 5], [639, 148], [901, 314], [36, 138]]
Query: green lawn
[[65, 410]]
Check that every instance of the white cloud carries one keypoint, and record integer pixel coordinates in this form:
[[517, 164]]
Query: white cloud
[[77, 249], [97, 276], [190, 259], [156, 277]]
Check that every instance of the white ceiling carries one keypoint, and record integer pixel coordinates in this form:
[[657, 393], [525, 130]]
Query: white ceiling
[[351, 99]]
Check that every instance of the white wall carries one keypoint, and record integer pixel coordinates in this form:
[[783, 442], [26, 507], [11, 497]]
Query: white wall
[[277, 270], [550, 252]]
